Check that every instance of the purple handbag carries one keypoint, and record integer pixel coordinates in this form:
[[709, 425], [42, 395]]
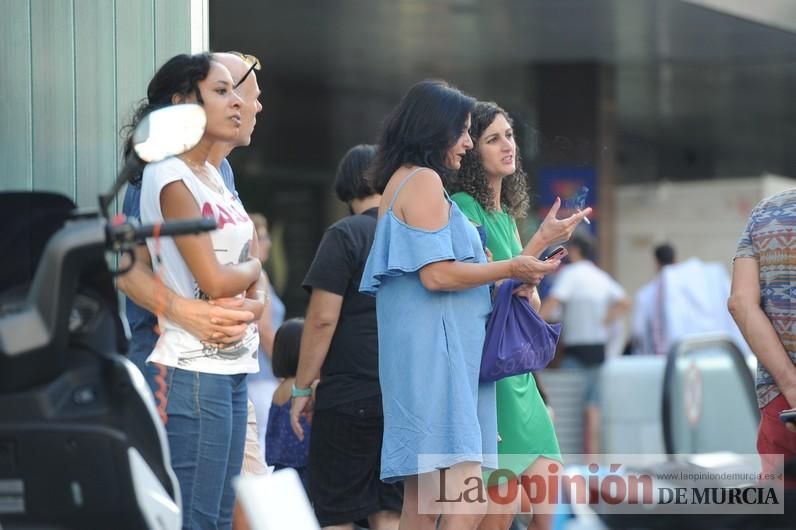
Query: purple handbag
[[518, 340]]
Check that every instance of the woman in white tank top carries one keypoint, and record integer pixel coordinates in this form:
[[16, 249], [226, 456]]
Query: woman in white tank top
[[204, 398]]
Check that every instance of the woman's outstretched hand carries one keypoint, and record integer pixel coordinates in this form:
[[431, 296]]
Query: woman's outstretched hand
[[554, 230]]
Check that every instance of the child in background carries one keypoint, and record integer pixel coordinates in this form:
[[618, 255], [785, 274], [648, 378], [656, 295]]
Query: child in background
[[282, 447]]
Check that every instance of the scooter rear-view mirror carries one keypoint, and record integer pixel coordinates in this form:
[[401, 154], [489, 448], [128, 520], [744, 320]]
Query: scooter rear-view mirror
[[165, 132], [169, 131]]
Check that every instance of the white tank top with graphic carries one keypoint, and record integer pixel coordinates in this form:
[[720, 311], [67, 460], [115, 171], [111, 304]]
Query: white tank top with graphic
[[231, 240]]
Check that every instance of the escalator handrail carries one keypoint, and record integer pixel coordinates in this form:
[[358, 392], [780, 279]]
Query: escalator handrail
[[683, 348]]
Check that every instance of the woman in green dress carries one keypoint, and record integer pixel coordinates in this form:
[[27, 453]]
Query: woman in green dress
[[491, 190]]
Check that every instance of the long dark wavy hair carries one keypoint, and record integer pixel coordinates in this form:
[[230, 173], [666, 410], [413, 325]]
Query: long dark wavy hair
[[419, 131], [180, 75], [471, 178]]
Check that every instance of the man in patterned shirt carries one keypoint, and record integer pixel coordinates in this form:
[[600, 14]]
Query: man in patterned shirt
[[763, 304]]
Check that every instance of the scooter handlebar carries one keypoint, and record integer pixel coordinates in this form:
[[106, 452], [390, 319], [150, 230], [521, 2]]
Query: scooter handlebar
[[177, 228], [123, 234]]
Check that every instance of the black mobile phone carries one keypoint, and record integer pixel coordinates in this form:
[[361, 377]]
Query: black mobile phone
[[553, 254], [787, 415]]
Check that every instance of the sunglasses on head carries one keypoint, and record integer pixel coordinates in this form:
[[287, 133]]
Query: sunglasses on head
[[251, 61]]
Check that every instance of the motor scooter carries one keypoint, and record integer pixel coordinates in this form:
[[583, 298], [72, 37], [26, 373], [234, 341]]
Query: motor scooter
[[81, 443]]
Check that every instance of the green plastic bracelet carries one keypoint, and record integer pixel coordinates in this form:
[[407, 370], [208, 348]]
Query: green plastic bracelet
[[300, 392]]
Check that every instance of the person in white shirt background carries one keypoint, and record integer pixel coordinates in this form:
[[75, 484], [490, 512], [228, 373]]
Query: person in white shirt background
[[686, 299], [648, 313], [587, 301]]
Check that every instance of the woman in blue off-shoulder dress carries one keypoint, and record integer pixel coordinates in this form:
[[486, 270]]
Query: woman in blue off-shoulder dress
[[430, 275]]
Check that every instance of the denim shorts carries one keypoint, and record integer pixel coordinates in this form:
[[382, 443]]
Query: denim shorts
[[591, 373]]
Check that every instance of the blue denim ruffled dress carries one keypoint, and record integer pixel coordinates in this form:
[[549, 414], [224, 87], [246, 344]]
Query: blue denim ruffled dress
[[430, 345]]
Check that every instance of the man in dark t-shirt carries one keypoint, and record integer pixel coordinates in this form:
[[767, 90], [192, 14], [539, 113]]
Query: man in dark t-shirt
[[351, 370], [339, 346]]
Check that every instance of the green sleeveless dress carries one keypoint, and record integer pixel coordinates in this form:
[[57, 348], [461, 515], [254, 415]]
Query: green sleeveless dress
[[524, 425]]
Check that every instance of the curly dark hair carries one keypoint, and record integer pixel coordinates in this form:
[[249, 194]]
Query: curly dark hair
[[419, 131], [180, 75], [471, 178]]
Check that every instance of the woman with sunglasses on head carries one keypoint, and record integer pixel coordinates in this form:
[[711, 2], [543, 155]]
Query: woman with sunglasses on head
[[205, 394], [492, 191], [430, 275]]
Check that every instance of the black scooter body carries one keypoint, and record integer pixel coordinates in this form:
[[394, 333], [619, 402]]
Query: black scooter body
[[72, 408]]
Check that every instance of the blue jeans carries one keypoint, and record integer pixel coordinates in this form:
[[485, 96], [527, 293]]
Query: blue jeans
[[138, 358], [207, 431]]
